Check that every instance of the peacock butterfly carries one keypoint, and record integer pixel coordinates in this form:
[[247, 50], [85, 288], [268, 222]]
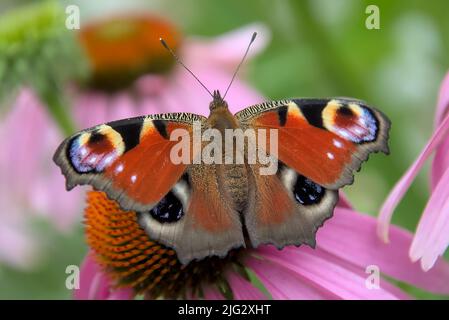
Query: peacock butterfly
[[202, 209]]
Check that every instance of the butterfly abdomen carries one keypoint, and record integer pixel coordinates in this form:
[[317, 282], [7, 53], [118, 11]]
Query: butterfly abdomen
[[233, 178]]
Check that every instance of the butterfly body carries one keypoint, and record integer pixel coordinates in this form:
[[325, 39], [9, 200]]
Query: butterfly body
[[202, 208]]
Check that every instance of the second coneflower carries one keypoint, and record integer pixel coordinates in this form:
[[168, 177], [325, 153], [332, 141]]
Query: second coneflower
[[123, 48]]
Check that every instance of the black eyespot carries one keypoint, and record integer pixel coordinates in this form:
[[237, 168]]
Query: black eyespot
[[307, 192], [169, 209], [345, 111], [96, 137]]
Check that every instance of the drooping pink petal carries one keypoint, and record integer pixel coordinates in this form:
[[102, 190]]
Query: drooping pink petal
[[351, 236], [95, 285], [443, 101], [322, 269], [59, 206], [122, 105], [243, 289], [18, 247], [33, 184], [403, 184], [283, 284], [49, 197], [441, 160], [150, 85], [20, 133], [432, 234], [90, 108], [440, 163], [343, 201], [121, 294], [212, 293], [227, 50]]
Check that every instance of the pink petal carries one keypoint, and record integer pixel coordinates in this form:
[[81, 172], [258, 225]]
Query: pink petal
[[212, 293], [352, 237], [95, 285], [403, 184], [150, 85], [440, 163], [53, 201], [441, 159], [18, 246], [343, 201], [443, 101], [227, 50], [432, 235], [121, 106], [30, 180], [185, 95], [91, 108], [326, 271], [121, 294], [243, 289], [284, 284], [21, 145]]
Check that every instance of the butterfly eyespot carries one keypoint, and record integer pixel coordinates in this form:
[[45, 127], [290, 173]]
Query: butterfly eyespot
[[93, 151], [307, 192], [350, 121], [345, 111], [169, 209]]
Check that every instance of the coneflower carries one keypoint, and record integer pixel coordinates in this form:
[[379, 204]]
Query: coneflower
[[124, 263]]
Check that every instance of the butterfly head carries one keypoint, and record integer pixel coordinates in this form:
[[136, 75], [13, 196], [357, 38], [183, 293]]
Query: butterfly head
[[217, 102]]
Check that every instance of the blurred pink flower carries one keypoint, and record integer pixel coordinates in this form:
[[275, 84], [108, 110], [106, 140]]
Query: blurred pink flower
[[432, 234], [337, 269], [32, 184]]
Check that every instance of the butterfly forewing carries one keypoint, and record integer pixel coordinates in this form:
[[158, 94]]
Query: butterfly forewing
[[325, 140], [128, 159]]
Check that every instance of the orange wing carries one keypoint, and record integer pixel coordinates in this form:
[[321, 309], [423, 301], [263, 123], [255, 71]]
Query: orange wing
[[128, 159], [324, 140]]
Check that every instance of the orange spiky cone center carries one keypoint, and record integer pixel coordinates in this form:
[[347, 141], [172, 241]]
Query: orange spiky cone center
[[129, 257]]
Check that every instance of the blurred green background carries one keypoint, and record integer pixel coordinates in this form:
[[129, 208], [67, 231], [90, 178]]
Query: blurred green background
[[319, 48]]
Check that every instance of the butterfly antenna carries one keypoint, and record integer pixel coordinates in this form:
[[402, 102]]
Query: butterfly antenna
[[253, 37], [182, 64]]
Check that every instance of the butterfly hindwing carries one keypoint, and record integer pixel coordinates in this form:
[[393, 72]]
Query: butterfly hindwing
[[128, 159], [209, 224], [325, 140], [286, 208]]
